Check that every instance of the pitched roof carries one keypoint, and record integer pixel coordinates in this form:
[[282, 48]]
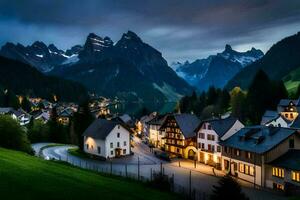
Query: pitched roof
[[289, 160], [6, 110], [187, 123], [258, 139], [268, 116], [157, 120], [100, 128], [220, 126], [286, 102]]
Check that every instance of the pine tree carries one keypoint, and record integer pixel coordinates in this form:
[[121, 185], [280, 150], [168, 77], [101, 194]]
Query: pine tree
[[228, 188]]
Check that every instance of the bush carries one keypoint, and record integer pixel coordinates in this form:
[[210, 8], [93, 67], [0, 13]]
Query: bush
[[13, 135]]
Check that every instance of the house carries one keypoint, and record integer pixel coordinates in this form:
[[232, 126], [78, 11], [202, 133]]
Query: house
[[289, 108], [64, 116], [273, 118], [107, 139], [156, 135], [210, 133], [283, 173], [180, 138], [20, 115], [125, 119], [246, 153], [143, 123], [43, 115]]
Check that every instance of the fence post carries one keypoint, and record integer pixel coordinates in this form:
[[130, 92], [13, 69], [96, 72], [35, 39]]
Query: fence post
[[110, 167], [138, 168], [161, 168], [190, 184], [126, 170]]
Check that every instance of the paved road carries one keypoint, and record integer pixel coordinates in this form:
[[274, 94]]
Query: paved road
[[37, 147], [202, 177]]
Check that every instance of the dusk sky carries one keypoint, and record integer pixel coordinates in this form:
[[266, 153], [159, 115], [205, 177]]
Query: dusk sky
[[181, 30]]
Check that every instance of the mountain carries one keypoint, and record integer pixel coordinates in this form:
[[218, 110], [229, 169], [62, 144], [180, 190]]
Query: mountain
[[39, 55], [129, 69], [26, 80], [216, 70], [281, 59]]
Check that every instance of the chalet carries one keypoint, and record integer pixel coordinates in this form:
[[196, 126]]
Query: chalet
[[64, 116], [210, 133], [273, 118], [107, 139], [180, 138], [283, 173], [20, 115], [246, 153], [156, 135], [144, 126], [289, 108]]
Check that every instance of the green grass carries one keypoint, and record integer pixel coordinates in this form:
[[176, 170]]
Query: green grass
[[27, 177], [76, 152], [292, 80]]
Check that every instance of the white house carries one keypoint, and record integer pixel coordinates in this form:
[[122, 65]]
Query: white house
[[20, 115], [156, 136], [210, 133], [107, 139], [273, 118]]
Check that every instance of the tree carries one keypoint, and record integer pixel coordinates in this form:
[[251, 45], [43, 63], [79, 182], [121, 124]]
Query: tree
[[212, 96], [227, 188], [259, 96], [80, 122], [13, 135], [224, 101], [238, 103], [38, 132], [25, 104]]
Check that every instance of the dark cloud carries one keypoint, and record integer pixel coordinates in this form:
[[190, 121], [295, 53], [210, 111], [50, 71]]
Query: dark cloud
[[180, 29]]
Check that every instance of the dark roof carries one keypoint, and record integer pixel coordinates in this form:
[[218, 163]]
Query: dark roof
[[68, 112], [100, 128], [268, 116], [186, 122], [157, 120], [258, 139], [286, 102], [289, 160], [220, 126]]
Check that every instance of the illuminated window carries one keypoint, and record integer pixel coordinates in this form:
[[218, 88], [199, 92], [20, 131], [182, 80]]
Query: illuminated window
[[278, 172], [241, 168], [246, 169], [248, 155], [277, 186], [296, 176]]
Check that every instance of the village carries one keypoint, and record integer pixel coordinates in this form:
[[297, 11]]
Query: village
[[264, 155]]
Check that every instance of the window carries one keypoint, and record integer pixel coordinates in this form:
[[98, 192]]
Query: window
[[218, 148], [236, 152], [204, 126], [118, 126], [199, 145], [246, 169], [296, 176], [209, 127], [178, 150], [286, 115], [87, 146], [202, 145], [111, 152], [111, 145], [278, 172], [125, 143], [201, 135], [277, 186], [124, 151], [291, 143], [291, 116], [118, 144], [213, 148], [248, 155], [99, 150], [92, 147], [118, 135]]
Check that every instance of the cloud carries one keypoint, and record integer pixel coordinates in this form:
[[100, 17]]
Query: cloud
[[179, 29]]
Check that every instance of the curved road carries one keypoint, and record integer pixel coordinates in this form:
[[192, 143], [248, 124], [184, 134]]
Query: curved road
[[202, 177]]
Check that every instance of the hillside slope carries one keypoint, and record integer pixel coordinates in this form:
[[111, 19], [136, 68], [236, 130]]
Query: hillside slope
[[24, 79], [26, 177], [280, 60]]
